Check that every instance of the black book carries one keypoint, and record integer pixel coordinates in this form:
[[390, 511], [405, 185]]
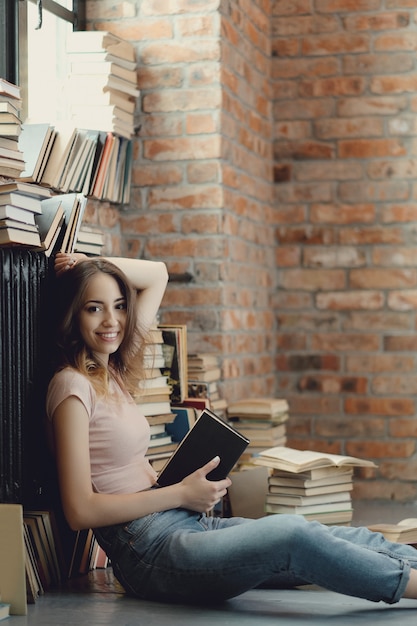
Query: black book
[[210, 436]]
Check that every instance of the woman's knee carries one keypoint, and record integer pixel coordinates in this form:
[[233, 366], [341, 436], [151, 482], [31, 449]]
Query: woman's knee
[[289, 530]]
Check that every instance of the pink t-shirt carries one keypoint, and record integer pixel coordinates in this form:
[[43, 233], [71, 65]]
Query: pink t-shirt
[[119, 433]]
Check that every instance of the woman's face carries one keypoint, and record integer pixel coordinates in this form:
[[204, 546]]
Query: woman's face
[[102, 318]]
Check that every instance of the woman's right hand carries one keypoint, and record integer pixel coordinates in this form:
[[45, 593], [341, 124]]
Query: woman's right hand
[[201, 494], [64, 261]]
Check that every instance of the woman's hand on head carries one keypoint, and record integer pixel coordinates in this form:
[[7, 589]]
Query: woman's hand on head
[[64, 261], [202, 494]]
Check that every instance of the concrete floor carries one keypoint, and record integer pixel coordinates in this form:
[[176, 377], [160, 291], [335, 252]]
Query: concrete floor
[[97, 600]]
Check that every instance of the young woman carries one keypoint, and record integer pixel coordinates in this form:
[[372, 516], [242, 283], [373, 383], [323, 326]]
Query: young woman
[[161, 543]]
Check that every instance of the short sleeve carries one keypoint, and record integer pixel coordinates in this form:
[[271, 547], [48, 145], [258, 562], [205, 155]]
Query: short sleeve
[[67, 383]]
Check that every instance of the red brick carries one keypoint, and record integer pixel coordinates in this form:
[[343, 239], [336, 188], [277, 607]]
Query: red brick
[[301, 362], [393, 491], [312, 279], [366, 278], [157, 174], [342, 214], [341, 428], [345, 342], [334, 86], [287, 256], [335, 44], [386, 191], [380, 449], [380, 406], [381, 320], [343, 6], [400, 343], [335, 256], [182, 148], [380, 63], [369, 148], [378, 21], [403, 300], [380, 363], [327, 384], [372, 105], [368, 235], [340, 301], [396, 41], [339, 128], [394, 256], [395, 384]]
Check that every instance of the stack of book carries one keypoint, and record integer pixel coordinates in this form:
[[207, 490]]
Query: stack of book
[[90, 241], [12, 162], [313, 484], [204, 374], [154, 400], [102, 82], [20, 208], [262, 420]]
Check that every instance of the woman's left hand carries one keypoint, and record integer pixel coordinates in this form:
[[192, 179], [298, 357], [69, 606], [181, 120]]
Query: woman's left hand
[[65, 262]]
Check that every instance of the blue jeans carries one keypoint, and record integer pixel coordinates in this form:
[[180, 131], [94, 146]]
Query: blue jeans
[[182, 556]]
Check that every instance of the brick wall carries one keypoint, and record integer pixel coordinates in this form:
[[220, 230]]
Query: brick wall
[[202, 180], [329, 260], [345, 102]]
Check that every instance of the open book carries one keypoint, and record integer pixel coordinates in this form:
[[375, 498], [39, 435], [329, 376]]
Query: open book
[[298, 461], [404, 531], [210, 436]]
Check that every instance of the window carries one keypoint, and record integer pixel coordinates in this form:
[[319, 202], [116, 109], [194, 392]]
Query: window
[[32, 38]]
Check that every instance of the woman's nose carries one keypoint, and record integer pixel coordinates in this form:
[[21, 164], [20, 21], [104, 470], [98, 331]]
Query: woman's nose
[[110, 317]]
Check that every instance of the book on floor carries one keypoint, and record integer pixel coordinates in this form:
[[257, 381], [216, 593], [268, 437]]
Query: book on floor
[[210, 436], [296, 461], [404, 531]]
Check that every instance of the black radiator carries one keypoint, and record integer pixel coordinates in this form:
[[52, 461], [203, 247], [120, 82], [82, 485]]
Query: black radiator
[[24, 280]]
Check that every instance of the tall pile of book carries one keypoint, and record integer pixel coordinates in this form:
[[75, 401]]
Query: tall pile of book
[[102, 82], [204, 374], [20, 208], [313, 484], [262, 420], [12, 161], [154, 400]]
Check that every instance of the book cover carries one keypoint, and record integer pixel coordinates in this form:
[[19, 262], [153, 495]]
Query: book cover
[[49, 220], [36, 142], [209, 437], [185, 418], [175, 359], [12, 561]]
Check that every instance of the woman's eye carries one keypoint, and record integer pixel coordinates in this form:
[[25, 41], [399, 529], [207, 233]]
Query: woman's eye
[[121, 306], [93, 309]]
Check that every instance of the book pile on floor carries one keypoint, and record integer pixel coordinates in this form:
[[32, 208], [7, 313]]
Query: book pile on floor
[[262, 420], [102, 82], [154, 400], [204, 374], [313, 484], [12, 162]]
